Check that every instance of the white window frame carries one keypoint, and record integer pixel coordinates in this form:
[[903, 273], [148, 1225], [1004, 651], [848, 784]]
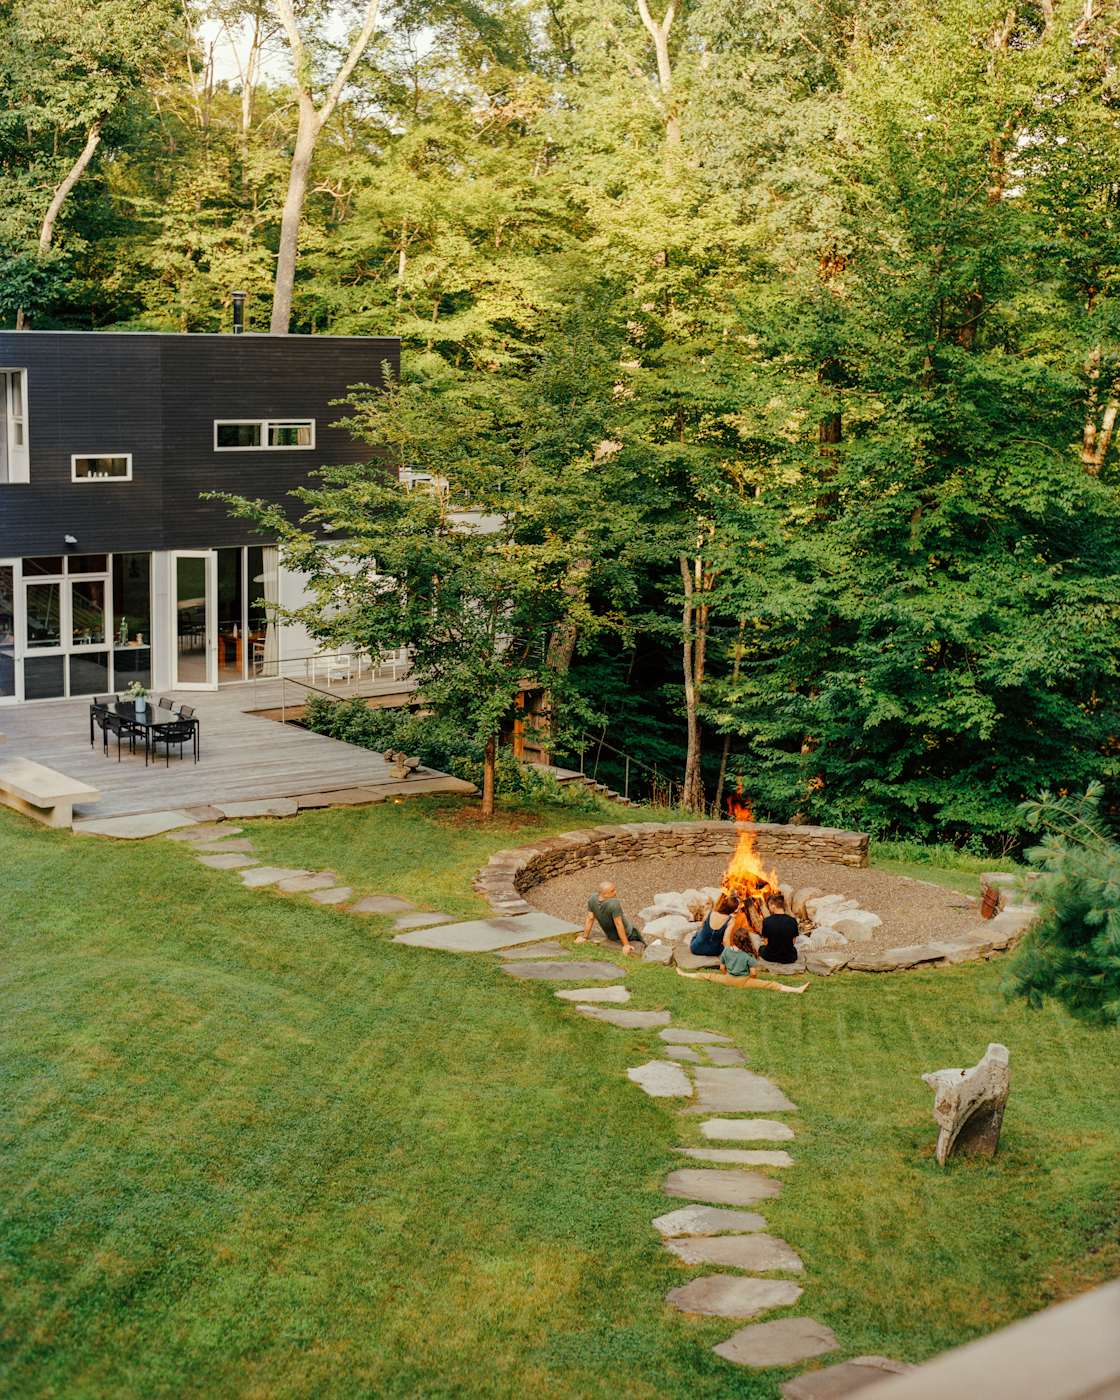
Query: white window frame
[[265, 424], [19, 454], [77, 457]]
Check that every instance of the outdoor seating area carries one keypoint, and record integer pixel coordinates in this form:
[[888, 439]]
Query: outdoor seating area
[[168, 724], [351, 664]]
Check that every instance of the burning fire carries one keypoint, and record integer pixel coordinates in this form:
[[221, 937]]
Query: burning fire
[[745, 875]]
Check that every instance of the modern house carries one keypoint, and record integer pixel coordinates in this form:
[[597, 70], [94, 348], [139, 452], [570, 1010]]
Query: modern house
[[113, 568]]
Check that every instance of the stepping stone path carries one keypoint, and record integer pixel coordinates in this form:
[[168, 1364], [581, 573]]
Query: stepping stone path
[[627, 1020], [733, 1295], [698, 1065], [747, 1157], [707, 1220], [757, 1253], [781, 1343], [720, 1188], [616, 994]]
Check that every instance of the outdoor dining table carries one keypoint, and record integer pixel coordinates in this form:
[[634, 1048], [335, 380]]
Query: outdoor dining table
[[150, 719]]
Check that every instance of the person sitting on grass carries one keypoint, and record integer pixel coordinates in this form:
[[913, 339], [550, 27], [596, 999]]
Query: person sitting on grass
[[605, 909], [739, 966], [708, 940], [779, 929]]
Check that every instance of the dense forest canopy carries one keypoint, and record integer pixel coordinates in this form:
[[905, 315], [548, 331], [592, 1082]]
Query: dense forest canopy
[[797, 324]]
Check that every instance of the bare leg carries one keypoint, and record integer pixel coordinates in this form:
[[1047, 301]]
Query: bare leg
[[726, 980]]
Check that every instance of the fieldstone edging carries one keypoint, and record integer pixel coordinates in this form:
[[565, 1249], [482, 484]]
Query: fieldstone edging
[[509, 874]]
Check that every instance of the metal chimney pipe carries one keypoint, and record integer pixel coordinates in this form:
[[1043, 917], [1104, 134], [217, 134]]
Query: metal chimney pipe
[[238, 313]]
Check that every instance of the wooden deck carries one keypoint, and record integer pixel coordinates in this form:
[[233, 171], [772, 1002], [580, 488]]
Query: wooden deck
[[244, 755]]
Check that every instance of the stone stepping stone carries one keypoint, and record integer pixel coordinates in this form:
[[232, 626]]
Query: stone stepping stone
[[267, 875], [682, 1052], [782, 1343], [661, 1079], [383, 904], [536, 950], [135, 827], [680, 1035], [563, 971], [747, 1129], [707, 1220], [721, 1188], [208, 831], [304, 884], [688, 961], [628, 1020], [743, 1158], [845, 1378], [232, 843], [725, 1055], [489, 935], [615, 994], [737, 1091], [732, 1295], [232, 861], [660, 953], [421, 920], [266, 807], [757, 1254], [338, 895]]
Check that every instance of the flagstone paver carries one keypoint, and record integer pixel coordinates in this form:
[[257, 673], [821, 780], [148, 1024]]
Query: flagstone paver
[[683, 1052], [679, 1035], [757, 1254], [780, 1343], [732, 1295], [535, 950], [488, 935], [338, 895], [737, 1091], [725, 1055], [662, 1079], [232, 843], [135, 827], [304, 884], [747, 1129], [707, 1220], [232, 861], [563, 971], [268, 807], [720, 1188], [627, 1020], [205, 831], [267, 875], [422, 920], [743, 1157], [615, 994], [845, 1378], [383, 904]]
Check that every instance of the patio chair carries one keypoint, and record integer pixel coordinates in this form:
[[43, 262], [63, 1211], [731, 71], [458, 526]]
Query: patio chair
[[182, 732], [166, 703], [97, 708]]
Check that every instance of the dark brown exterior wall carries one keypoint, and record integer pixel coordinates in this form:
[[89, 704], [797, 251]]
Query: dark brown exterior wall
[[157, 396]]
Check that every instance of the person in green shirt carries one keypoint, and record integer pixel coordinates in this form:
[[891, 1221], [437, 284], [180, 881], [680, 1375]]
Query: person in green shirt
[[739, 966], [605, 909]]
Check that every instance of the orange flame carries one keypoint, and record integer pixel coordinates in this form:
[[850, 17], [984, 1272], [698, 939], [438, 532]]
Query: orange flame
[[745, 875]]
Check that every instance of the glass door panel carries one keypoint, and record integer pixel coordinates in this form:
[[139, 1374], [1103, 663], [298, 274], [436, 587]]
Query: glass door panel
[[7, 632], [87, 612], [231, 615], [194, 612], [43, 606]]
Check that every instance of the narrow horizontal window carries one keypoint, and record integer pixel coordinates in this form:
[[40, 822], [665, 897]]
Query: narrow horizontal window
[[116, 466], [263, 434]]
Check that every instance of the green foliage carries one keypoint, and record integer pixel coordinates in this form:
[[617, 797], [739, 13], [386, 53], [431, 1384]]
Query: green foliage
[[1072, 954]]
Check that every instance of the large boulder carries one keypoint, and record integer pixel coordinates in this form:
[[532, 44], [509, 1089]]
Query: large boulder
[[671, 902], [673, 928], [823, 938], [801, 897], [825, 907], [658, 952], [857, 925]]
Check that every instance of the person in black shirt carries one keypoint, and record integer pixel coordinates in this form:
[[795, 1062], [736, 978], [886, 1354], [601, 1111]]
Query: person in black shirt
[[779, 929]]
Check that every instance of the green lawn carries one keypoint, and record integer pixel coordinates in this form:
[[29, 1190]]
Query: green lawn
[[252, 1148]]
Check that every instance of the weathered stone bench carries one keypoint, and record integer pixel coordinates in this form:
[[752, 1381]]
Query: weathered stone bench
[[41, 793]]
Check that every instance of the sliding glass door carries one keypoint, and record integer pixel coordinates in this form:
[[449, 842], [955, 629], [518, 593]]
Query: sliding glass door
[[194, 613]]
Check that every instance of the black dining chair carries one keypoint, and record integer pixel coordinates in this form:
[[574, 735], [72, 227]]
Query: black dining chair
[[184, 730], [166, 703], [97, 709]]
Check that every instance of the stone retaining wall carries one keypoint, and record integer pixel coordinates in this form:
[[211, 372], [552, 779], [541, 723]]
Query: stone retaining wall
[[511, 873]]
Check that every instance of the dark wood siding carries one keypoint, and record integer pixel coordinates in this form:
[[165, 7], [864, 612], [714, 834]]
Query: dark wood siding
[[157, 396]]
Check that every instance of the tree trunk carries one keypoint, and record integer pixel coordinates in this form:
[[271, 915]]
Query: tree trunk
[[488, 766], [738, 657], [659, 33], [306, 136], [1096, 437], [692, 794]]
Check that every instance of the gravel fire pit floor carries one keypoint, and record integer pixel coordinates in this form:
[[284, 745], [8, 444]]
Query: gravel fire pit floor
[[912, 911]]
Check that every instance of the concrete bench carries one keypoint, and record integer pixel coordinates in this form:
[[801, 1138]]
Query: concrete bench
[[41, 793]]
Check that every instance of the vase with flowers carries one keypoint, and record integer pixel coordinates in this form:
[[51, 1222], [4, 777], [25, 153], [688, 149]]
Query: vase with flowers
[[139, 697]]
